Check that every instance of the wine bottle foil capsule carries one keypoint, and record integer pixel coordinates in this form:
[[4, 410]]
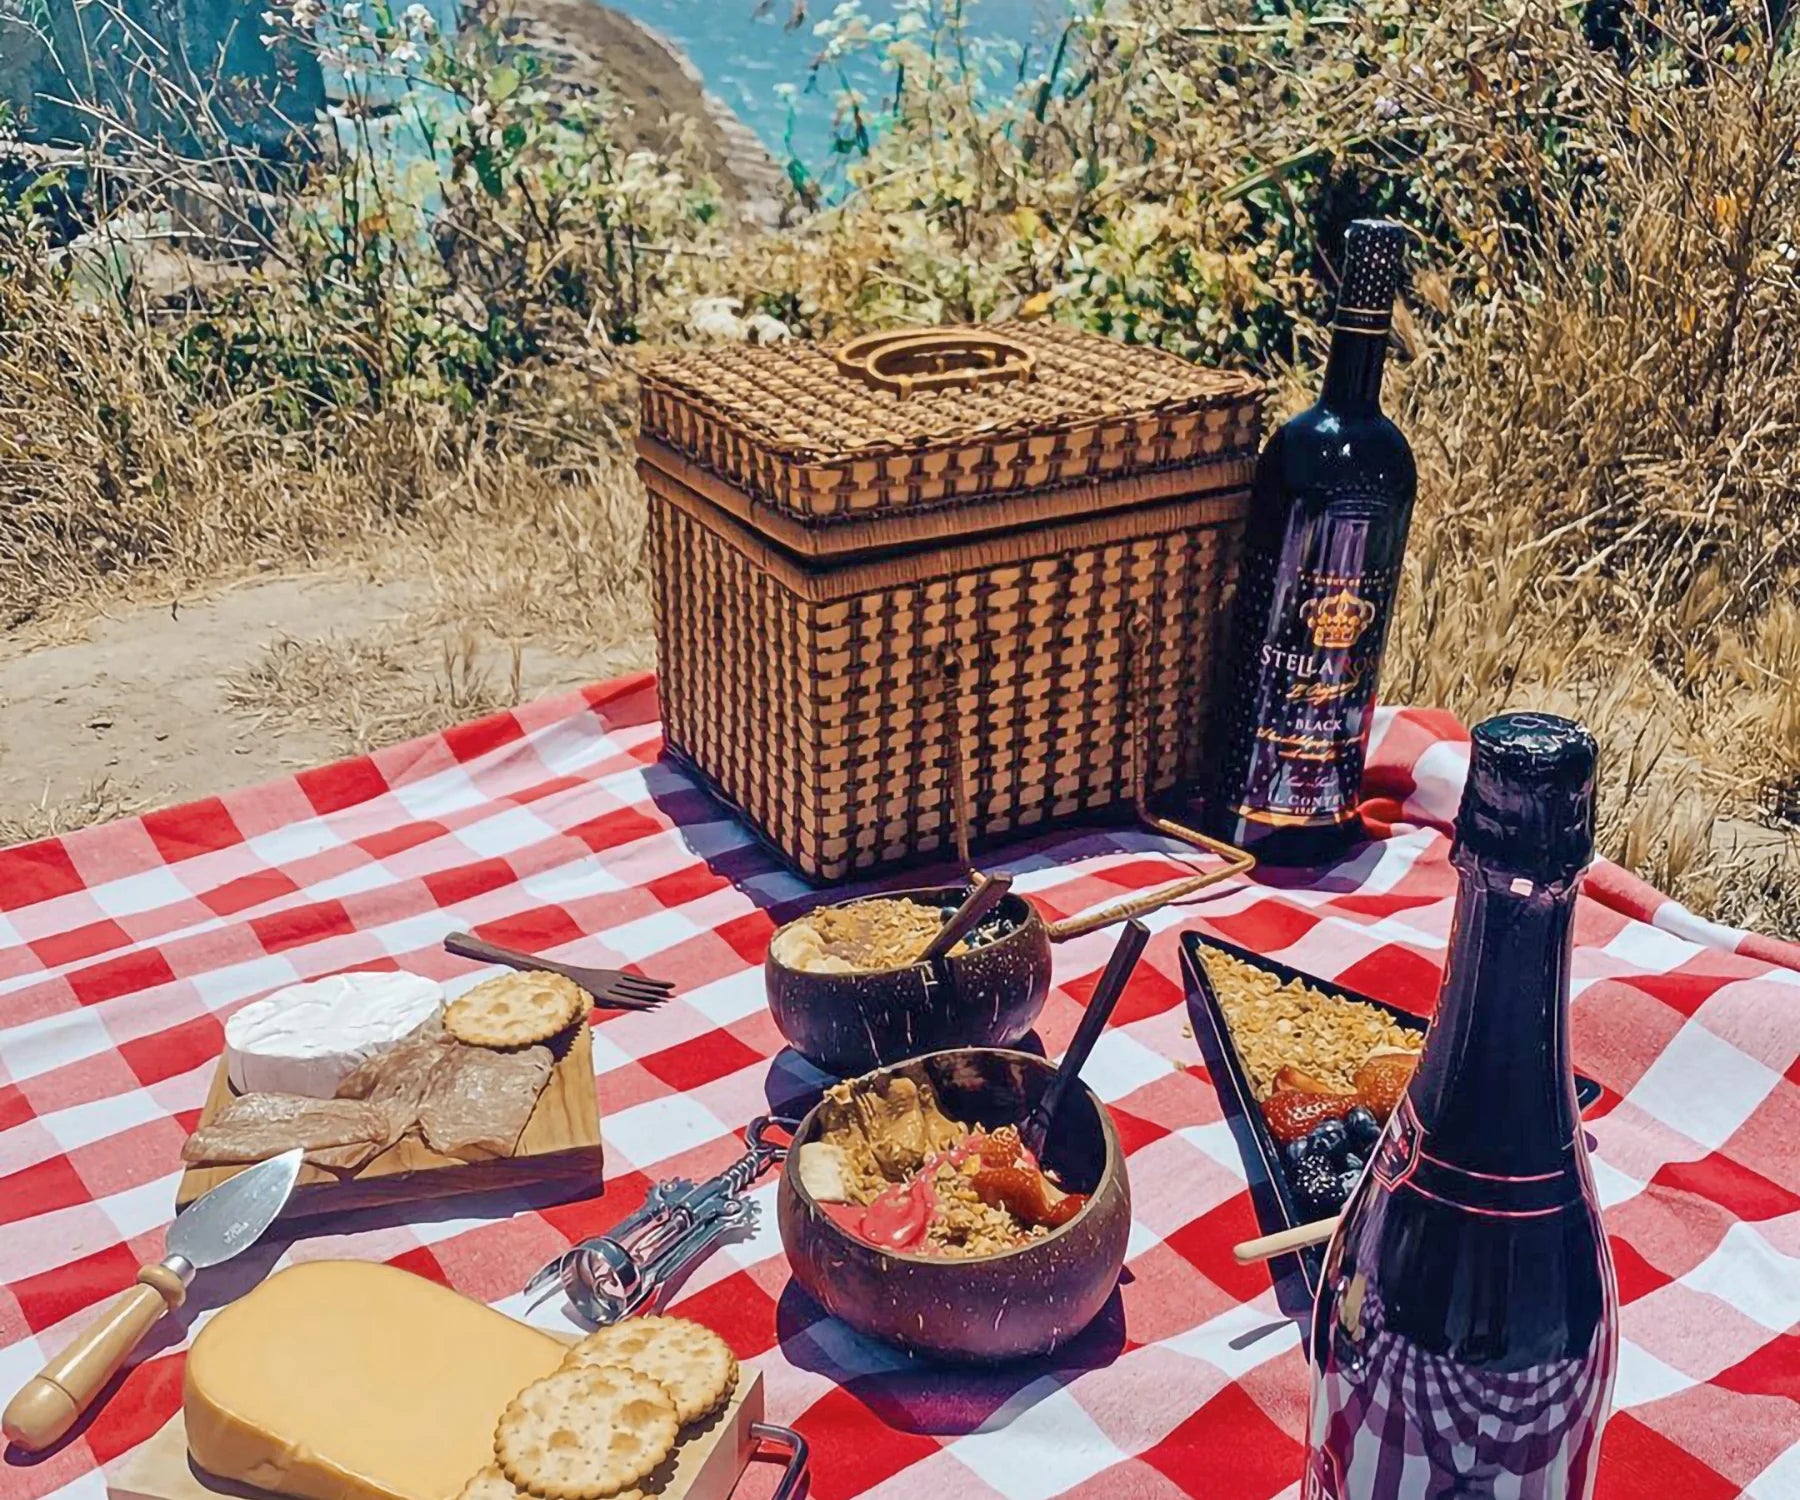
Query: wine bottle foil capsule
[[1374, 262], [1528, 804]]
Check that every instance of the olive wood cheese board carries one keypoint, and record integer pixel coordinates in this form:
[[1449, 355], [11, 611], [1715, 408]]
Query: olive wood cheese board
[[707, 1466], [558, 1153]]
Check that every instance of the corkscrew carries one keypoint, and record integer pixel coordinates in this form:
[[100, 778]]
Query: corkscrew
[[613, 1275]]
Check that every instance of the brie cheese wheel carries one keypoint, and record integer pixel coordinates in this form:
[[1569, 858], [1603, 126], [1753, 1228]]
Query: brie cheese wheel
[[306, 1039], [352, 1380]]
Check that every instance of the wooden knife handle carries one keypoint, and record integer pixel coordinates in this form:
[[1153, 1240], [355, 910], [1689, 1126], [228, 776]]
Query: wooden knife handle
[[52, 1401], [1248, 1252]]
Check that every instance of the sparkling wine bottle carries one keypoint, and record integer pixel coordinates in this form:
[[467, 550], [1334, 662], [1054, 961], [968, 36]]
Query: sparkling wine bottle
[[1466, 1331], [1330, 507]]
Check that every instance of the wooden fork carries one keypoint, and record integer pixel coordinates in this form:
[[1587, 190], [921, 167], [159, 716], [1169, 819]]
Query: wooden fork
[[612, 988]]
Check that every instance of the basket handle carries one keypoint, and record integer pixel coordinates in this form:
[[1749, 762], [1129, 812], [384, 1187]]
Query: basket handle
[[933, 359], [1237, 861]]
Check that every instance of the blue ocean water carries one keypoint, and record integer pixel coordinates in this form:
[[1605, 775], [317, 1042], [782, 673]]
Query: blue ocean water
[[745, 50], [762, 67]]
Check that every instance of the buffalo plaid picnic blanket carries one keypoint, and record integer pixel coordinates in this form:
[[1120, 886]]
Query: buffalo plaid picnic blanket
[[556, 827]]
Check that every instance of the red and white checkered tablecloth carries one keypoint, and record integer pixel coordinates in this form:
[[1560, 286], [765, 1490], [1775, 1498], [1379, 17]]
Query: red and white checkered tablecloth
[[556, 827]]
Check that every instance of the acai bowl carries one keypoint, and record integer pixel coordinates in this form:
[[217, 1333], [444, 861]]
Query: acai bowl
[[978, 1291], [846, 991]]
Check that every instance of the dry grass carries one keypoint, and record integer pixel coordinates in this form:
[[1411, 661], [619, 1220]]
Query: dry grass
[[1610, 495], [522, 555], [366, 692], [515, 561], [99, 802]]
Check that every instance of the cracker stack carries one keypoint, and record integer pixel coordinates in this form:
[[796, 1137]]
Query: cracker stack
[[604, 1425]]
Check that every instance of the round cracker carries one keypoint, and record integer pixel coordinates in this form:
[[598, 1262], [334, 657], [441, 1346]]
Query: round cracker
[[515, 1010], [491, 1484], [689, 1360], [587, 1434]]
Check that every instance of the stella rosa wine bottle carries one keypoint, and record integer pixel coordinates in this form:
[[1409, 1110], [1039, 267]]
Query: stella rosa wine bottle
[[1466, 1331], [1330, 506]]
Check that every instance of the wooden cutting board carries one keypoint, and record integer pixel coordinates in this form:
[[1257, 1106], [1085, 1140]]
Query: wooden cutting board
[[559, 1151], [707, 1465]]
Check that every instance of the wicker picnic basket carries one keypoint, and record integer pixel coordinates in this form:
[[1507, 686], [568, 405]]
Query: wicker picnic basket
[[939, 586]]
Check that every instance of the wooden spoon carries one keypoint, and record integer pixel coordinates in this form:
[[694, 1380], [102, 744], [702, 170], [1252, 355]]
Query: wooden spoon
[[1036, 1128], [987, 893]]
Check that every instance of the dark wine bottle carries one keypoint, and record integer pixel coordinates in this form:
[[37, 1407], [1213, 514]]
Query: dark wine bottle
[[1330, 507], [1466, 1332]]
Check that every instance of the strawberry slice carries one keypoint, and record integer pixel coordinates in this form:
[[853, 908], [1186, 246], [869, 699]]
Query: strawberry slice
[[1382, 1080], [1003, 1148], [1291, 1113], [1028, 1196]]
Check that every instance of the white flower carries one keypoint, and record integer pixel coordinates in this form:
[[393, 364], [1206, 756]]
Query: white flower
[[766, 329], [481, 115], [352, 9], [272, 19], [419, 19], [716, 318], [405, 53], [269, 41], [1387, 107], [785, 92], [308, 12]]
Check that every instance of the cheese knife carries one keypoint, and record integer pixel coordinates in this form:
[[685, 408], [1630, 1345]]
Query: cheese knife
[[215, 1227]]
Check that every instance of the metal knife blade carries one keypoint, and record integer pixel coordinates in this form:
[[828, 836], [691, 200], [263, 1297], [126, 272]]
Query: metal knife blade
[[232, 1216]]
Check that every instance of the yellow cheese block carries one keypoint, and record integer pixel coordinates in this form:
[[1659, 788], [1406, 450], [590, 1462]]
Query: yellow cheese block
[[347, 1380]]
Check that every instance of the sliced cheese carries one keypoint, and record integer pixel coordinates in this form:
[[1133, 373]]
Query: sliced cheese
[[349, 1380], [307, 1038]]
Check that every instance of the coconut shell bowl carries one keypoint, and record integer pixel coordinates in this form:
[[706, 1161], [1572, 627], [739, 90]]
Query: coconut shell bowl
[[988, 996], [988, 1309]]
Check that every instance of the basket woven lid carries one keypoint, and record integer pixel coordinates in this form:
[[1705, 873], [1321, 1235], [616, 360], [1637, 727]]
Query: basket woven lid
[[924, 416]]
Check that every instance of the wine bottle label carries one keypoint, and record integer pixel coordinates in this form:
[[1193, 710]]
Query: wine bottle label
[[1313, 676]]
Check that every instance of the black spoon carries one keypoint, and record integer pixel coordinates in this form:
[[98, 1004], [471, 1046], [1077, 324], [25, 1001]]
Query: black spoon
[[1099, 1011]]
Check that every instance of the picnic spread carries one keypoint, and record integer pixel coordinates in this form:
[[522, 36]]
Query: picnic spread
[[1000, 1013], [557, 828]]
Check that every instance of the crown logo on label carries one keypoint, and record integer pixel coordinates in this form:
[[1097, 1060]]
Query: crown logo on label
[[1338, 620]]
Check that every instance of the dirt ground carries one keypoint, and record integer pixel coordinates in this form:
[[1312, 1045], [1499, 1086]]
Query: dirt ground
[[158, 703]]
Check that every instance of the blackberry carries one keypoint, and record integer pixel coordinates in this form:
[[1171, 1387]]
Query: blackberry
[[1318, 1186]]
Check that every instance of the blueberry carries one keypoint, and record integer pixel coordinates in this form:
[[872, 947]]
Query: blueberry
[[945, 913], [1364, 1129], [1295, 1152], [1328, 1137]]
